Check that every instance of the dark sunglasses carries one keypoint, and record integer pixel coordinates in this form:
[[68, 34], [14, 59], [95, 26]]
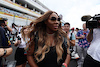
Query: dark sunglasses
[[54, 19]]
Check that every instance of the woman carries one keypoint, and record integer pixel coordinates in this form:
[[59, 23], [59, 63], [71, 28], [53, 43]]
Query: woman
[[21, 42], [47, 47]]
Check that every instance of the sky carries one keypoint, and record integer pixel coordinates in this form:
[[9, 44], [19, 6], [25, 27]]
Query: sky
[[73, 10]]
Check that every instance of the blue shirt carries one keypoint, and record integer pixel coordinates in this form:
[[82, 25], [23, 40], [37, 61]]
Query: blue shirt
[[3, 38], [83, 42]]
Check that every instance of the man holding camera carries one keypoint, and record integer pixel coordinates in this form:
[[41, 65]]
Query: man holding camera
[[83, 44], [93, 53]]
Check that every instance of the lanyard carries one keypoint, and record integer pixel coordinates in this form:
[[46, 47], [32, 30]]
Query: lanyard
[[26, 40]]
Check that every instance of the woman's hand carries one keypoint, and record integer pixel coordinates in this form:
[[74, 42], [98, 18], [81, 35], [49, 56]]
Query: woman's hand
[[64, 65], [19, 42]]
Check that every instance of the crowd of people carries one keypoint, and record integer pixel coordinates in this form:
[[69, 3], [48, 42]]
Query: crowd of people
[[44, 43]]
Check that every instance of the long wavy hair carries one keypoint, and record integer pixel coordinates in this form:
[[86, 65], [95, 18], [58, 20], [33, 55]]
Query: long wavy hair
[[22, 32], [43, 42]]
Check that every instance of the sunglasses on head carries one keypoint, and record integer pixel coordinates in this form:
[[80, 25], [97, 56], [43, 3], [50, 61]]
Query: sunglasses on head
[[54, 19]]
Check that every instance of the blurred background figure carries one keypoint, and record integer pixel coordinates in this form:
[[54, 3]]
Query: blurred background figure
[[8, 30], [21, 43], [19, 29], [71, 38], [14, 32], [76, 41], [83, 44], [73, 31], [70, 34]]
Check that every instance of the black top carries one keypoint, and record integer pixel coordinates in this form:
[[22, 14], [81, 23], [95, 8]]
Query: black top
[[50, 59], [0, 62]]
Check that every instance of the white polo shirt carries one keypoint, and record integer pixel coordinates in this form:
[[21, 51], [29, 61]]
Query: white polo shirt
[[94, 49]]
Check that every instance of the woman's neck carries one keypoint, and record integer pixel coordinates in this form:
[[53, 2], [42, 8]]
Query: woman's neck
[[26, 36], [49, 31], [50, 34]]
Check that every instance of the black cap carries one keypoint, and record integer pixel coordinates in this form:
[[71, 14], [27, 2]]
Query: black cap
[[2, 20], [5, 19]]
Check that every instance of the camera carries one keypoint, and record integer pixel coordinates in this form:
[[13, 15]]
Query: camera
[[18, 38], [92, 22]]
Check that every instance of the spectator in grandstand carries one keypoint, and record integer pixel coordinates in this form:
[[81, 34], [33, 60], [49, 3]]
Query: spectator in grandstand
[[5, 49], [21, 42], [48, 44]]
